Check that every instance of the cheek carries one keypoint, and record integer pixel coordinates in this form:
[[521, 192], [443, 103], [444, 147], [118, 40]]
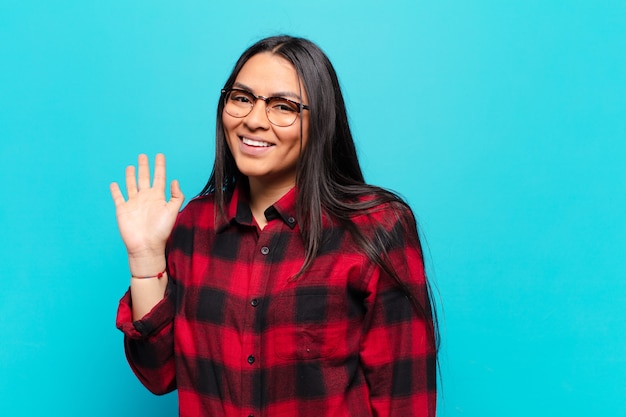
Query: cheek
[[230, 125], [293, 136], [227, 122]]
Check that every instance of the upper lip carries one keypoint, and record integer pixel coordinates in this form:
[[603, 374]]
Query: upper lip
[[258, 139]]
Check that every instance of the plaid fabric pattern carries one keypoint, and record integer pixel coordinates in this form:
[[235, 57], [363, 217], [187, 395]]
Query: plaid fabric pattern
[[238, 336]]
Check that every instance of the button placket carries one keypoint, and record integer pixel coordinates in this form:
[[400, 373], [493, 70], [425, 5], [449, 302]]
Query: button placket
[[262, 257]]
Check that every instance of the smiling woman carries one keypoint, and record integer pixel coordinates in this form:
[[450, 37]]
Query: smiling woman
[[266, 139], [288, 287]]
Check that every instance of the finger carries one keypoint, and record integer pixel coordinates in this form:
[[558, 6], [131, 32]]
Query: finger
[[159, 173], [116, 193], [131, 181], [144, 172], [177, 199]]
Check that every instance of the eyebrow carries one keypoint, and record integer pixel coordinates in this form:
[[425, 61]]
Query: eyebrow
[[278, 94]]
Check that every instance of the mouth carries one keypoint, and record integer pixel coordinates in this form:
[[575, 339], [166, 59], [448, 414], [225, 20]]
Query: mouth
[[255, 143]]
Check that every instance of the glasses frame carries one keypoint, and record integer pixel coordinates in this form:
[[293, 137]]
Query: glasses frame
[[227, 91]]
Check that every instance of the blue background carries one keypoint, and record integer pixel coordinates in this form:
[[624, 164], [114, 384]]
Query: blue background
[[502, 122]]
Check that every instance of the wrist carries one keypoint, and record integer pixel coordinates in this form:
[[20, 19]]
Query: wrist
[[146, 266], [158, 275]]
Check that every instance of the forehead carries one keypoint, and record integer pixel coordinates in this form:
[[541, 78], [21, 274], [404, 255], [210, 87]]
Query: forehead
[[268, 74]]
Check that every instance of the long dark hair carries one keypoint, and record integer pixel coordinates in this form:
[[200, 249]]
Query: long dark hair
[[329, 178]]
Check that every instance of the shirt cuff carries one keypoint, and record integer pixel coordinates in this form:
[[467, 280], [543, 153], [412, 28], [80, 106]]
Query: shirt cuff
[[151, 324]]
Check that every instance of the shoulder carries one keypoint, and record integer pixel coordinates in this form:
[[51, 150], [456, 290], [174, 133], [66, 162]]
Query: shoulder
[[198, 211], [386, 220], [196, 219], [382, 208]]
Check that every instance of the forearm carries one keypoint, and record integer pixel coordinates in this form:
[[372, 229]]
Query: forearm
[[399, 362], [152, 360], [146, 292], [149, 342]]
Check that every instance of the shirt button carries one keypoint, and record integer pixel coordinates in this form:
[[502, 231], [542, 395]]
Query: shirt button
[[265, 250], [291, 220], [250, 359], [254, 302]]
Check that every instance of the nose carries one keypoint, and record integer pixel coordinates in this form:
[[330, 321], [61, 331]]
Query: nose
[[257, 118]]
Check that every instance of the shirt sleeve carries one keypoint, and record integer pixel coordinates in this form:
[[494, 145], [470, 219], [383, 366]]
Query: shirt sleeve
[[149, 342], [398, 352]]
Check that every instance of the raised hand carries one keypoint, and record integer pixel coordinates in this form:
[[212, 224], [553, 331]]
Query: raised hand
[[146, 219]]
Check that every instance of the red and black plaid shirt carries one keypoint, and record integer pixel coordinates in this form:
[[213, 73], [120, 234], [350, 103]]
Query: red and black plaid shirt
[[237, 336]]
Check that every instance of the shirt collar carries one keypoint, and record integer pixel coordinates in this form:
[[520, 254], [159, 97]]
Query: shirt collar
[[284, 208], [238, 209]]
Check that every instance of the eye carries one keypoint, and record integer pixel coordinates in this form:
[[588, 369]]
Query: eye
[[281, 105], [241, 97]]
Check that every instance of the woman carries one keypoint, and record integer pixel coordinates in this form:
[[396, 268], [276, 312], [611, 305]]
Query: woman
[[289, 287]]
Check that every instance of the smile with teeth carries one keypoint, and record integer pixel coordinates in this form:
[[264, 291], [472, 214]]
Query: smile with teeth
[[256, 143]]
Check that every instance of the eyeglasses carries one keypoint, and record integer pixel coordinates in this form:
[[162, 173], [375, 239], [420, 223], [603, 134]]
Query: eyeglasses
[[280, 111]]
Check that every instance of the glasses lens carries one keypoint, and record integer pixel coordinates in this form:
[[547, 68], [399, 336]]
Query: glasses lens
[[282, 112], [238, 103]]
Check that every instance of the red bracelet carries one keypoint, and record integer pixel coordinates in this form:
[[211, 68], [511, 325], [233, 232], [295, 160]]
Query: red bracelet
[[159, 275]]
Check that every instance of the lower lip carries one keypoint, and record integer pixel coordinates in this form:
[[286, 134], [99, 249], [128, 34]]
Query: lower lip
[[254, 150]]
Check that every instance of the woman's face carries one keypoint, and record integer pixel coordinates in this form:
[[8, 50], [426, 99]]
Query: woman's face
[[263, 151]]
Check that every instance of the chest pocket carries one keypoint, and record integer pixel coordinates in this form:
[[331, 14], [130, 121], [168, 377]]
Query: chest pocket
[[309, 324]]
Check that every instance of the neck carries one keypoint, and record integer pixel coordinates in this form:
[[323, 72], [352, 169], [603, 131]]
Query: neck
[[263, 195]]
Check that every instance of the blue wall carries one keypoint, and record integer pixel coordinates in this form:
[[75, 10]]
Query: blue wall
[[502, 123]]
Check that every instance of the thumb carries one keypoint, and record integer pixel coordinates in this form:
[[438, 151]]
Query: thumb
[[177, 195]]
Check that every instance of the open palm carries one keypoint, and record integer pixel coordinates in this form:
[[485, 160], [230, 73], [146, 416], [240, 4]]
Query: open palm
[[146, 219]]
